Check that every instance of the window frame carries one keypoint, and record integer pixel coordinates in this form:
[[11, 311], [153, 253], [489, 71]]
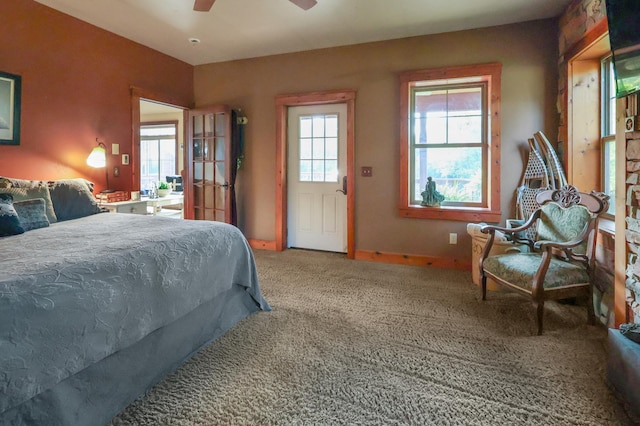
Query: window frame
[[489, 74], [608, 129], [313, 139]]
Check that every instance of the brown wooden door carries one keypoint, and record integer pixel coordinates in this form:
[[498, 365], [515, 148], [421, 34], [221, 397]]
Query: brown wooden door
[[208, 164]]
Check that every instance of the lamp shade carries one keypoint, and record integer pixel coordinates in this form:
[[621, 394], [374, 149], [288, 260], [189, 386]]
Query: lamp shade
[[98, 157]]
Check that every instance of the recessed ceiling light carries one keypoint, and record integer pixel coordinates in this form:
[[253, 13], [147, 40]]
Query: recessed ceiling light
[[194, 40]]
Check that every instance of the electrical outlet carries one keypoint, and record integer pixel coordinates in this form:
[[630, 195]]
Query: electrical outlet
[[453, 238], [366, 171], [116, 171]]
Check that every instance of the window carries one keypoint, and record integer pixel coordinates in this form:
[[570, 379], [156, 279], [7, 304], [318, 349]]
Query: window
[[451, 133], [608, 115], [158, 153], [319, 148]]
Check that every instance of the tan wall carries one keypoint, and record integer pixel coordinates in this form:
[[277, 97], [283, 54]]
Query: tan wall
[[527, 51]]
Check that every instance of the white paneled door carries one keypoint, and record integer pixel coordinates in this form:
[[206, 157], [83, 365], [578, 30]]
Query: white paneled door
[[317, 173]]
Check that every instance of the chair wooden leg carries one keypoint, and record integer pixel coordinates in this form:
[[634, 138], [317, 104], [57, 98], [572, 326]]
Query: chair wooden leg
[[484, 287], [540, 314]]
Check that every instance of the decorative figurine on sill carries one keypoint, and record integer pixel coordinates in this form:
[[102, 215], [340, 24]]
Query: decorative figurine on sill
[[431, 197]]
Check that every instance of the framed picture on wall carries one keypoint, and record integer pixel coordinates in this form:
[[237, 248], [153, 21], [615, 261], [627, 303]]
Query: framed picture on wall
[[10, 90]]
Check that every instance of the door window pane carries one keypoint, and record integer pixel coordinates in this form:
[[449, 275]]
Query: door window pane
[[318, 148]]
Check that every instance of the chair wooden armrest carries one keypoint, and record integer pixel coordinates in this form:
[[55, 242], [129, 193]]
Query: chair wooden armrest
[[528, 224], [514, 233]]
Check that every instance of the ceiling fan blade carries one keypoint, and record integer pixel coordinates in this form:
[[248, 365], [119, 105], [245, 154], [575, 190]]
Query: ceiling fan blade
[[304, 4], [203, 5]]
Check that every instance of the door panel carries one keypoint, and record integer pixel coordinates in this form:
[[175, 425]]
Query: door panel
[[317, 206], [208, 152]]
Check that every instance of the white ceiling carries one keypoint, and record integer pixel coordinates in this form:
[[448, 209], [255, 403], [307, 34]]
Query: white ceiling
[[237, 29]]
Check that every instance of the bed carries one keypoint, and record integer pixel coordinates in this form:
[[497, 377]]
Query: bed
[[97, 309]]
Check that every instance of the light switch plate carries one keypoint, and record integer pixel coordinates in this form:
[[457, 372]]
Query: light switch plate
[[125, 159], [115, 148]]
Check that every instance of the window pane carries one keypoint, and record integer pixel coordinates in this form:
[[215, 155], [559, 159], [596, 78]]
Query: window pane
[[169, 130], [198, 126], [220, 148], [331, 171], [305, 170], [457, 173], [609, 98], [318, 149], [305, 127], [331, 126], [158, 153], [305, 149], [318, 170], [609, 171], [436, 128], [219, 124], [608, 112], [448, 115], [331, 148], [318, 126], [208, 125], [465, 129]]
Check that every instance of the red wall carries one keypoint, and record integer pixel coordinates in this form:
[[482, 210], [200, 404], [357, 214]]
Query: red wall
[[76, 81]]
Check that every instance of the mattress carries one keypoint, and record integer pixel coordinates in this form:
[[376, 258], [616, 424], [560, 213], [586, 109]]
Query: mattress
[[80, 291]]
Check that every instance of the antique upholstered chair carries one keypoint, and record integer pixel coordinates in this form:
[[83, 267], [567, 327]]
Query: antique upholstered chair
[[560, 261]]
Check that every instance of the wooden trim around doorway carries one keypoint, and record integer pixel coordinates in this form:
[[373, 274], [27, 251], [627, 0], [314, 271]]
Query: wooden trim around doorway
[[283, 102], [137, 94]]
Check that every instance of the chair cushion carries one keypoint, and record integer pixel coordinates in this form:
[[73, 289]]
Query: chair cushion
[[563, 224], [519, 269]]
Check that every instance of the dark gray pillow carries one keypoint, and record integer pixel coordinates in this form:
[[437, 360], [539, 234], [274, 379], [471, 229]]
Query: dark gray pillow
[[73, 198], [32, 214], [9, 221], [21, 194]]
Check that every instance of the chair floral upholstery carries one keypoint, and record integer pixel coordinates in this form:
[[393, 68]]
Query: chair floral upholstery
[[559, 263]]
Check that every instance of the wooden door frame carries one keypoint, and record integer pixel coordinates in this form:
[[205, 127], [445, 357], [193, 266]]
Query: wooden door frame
[[283, 102], [138, 94]]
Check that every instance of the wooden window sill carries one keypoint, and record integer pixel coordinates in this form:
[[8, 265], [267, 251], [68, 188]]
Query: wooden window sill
[[607, 226], [465, 214]]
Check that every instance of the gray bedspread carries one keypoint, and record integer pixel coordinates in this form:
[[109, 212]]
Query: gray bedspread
[[79, 291]]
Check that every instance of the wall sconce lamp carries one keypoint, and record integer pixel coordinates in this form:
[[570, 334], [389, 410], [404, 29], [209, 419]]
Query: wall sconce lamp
[[98, 159]]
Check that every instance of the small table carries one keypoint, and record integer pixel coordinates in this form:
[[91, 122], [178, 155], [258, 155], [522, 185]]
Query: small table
[[169, 200], [130, 206]]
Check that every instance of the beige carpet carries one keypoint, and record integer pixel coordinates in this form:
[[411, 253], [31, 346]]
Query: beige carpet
[[351, 342]]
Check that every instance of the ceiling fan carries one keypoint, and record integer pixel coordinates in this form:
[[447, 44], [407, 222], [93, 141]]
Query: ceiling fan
[[205, 5]]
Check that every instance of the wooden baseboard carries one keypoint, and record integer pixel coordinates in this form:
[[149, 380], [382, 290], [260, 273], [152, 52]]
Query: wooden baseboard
[[262, 244], [414, 260]]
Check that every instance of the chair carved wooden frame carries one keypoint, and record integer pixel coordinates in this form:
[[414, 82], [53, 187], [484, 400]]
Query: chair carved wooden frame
[[560, 262]]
